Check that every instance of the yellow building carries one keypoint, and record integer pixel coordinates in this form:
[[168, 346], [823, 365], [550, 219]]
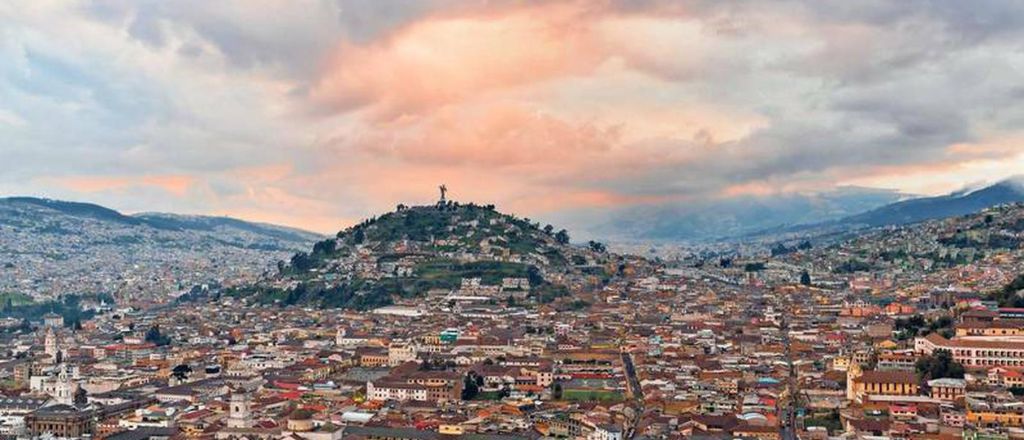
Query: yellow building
[[861, 383], [997, 327], [994, 410]]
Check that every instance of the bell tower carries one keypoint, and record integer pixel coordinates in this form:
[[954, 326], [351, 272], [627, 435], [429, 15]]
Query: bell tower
[[240, 415], [51, 345]]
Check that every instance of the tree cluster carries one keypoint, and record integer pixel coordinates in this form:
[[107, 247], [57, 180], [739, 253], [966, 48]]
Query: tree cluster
[[939, 365]]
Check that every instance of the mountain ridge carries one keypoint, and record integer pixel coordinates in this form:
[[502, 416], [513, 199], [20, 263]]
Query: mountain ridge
[[159, 220], [927, 208], [50, 248]]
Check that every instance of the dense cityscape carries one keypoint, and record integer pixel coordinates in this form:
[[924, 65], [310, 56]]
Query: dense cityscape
[[511, 220], [909, 331]]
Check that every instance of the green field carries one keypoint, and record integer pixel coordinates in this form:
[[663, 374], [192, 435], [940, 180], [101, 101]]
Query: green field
[[592, 395], [17, 299], [488, 395]]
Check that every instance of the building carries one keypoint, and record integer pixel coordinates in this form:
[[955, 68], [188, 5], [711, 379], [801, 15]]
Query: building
[[51, 346], [994, 410], [1005, 378], [399, 391], [239, 414], [896, 362], [383, 433], [61, 421], [999, 327], [974, 352], [53, 320], [947, 389], [861, 383], [400, 353]]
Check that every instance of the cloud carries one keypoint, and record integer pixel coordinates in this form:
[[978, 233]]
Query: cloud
[[319, 112]]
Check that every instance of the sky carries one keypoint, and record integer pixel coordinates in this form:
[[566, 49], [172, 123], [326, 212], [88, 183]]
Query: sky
[[317, 114]]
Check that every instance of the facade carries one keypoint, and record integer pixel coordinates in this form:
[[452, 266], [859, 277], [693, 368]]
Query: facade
[[974, 353], [399, 354], [396, 391], [991, 410], [61, 421], [239, 414], [861, 383], [947, 389]]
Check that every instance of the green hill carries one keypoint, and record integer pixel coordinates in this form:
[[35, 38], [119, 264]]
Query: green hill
[[449, 247]]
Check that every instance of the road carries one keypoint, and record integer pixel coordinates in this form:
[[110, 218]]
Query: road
[[635, 390], [788, 428]]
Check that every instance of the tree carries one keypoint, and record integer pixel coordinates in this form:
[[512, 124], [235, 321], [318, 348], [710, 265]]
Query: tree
[[154, 336], [805, 278], [562, 236], [939, 365], [359, 236], [753, 267], [325, 247], [469, 386], [301, 262], [556, 391], [1008, 295], [548, 229], [81, 396], [534, 277], [181, 371]]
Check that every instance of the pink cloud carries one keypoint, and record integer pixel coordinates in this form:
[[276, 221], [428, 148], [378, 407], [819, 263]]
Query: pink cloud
[[177, 185], [443, 60]]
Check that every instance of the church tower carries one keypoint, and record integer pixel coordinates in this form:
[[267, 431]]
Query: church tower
[[63, 391], [240, 415], [51, 346], [853, 373]]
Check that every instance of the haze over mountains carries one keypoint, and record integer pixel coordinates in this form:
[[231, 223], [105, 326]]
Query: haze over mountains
[[845, 207], [40, 212], [733, 217], [958, 203], [50, 247]]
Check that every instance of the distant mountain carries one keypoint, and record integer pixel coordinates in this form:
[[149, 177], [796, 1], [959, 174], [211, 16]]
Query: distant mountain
[[439, 249], [164, 221], [928, 208], [730, 217], [49, 247], [213, 224]]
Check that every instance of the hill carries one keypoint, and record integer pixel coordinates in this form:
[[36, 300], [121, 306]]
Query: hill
[[928, 208], [990, 235], [445, 249], [709, 220], [53, 247]]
